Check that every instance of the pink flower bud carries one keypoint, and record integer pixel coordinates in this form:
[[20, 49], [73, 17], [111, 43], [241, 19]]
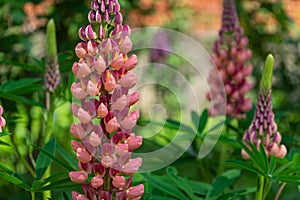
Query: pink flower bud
[[120, 103], [102, 110], [132, 166], [92, 89], [78, 177], [91, 48], [96, 182], [245, 155], [101, 32], [273, 149], [74, 109], [77, 196], [100, 64], [77, 91], [230, 68], [247, 105], [107, 161], [112, 125], [119, 182], [135, 192], [76, 145], [281, 151], [110, 83], [131, 62], [2, 122], [94, 139], [128, 80], [75, 68], [126, 45], [73, 131], [80, 50], [90, 34], [83, 116], [133, 98], [83, 156], [243, 42], [238, 77], [118, 62], [247, 70], [229, 110], [83, 70], [1, 110], [134, 142], [121, 149]]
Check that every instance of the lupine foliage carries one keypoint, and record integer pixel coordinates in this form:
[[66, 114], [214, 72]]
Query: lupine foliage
[[40, 158]]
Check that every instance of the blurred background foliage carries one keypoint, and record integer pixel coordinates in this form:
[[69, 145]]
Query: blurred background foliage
[[267, 24]]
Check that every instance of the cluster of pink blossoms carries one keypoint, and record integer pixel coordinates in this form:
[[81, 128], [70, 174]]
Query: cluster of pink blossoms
[[105, 141], [2, 120], [230, 57]]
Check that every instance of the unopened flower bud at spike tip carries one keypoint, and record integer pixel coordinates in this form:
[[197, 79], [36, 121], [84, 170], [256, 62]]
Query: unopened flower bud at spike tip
[[266, 79]]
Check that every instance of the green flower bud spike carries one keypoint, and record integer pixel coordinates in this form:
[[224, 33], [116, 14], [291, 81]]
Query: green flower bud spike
[[51, 40], [52, 75], [266, 79]]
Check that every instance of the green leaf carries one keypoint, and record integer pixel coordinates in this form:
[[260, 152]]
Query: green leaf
[[32, 68], [44, 161], [58, 185], [281, 168], [242, 164], [65, 196], [22, 86], [181, 182], [5, 169], [4, 143], [272, 164], [221, 183], [65, 165], [200, 121], [66, 155], [38, 184], [291, 179], [14, 180], [237, 194], [156, 197], [165, 187], [200, 188]]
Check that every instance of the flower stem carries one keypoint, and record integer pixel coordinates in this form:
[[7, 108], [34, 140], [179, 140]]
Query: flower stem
[[32, 195], [279, 191], [260, 188]]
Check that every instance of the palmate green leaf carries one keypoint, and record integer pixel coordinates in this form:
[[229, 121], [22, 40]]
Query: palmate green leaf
[[14, 180], [32, 68], [281, 168], [272, 164], [221, 183], [43, 161], [242, 164], [65, 196], [63, 164], [200, 188], [59, 185], [181, 182], [19, 98], [38, 184], [291, 179], [256, 158], [67, 156], [22, 86], [4, 143], [237, 194], [7, 170], [155, 197], [165, 187], [200, 121]]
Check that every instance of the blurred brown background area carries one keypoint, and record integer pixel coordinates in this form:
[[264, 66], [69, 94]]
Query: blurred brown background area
[[204, 16]]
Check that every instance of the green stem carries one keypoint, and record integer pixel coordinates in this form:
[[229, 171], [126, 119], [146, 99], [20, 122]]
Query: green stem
[[32, 195], [223, 153], [49, 125], [260, 188]]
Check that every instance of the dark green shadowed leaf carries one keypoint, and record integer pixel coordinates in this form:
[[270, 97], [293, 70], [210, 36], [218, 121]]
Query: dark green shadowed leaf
[[221, 183], [44, 161], [165, 187], [67, 156], [242, 164], [181, 182], [65, 196], [14, 180]]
